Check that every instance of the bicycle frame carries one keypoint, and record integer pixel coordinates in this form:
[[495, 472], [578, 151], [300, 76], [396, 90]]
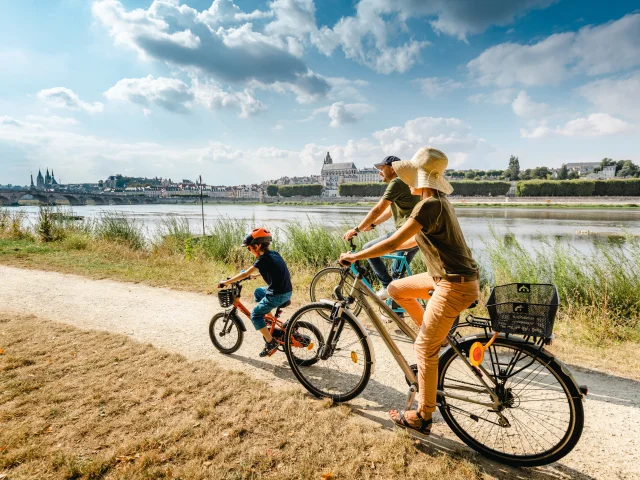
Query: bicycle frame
[[363, 296], [272, 321], [403, 266]]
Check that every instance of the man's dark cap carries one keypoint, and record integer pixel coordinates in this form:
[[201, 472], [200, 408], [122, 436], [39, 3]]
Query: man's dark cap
[[387, 161]]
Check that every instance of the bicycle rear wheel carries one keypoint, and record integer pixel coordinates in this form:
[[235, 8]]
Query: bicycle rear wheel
[[341, 370], [304, 337], [324, 284], [540, 402]]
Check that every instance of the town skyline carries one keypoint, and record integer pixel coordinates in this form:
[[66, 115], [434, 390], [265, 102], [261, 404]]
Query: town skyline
[[247, 90]]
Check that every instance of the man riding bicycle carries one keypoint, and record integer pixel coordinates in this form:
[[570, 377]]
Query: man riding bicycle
[[397, 201]]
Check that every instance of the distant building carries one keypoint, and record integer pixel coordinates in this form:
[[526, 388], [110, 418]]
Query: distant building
[[582, 168], [334, 174], [46, 182]]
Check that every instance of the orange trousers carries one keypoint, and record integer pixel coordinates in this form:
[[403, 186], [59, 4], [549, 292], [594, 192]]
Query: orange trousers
[[448, 300]]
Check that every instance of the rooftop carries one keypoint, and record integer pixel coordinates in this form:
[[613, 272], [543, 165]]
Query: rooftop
[[339, 166]]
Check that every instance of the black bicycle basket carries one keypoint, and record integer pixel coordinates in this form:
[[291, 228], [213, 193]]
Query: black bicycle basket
[[226, 297], [523, 308]]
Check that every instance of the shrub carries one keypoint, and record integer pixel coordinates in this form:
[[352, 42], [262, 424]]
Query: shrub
[[614, 188], [310, 190], [120, 229], [480, 188], [76, 241], [362, 189], [557, 188], [272, 190]]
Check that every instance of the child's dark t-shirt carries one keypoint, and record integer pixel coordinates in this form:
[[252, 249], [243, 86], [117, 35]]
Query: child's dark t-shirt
[[274, 272]]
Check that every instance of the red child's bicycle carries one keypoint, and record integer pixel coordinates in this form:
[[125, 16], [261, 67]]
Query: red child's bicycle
[[226, 329]]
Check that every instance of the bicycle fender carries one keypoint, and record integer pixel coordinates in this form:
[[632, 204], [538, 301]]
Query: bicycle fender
[[367, 337], [567, 372]]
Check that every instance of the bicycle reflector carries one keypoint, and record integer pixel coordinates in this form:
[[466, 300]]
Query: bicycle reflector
[[476, 352]]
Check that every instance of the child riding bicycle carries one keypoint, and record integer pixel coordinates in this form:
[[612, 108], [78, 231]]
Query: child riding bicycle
[[273, 269]]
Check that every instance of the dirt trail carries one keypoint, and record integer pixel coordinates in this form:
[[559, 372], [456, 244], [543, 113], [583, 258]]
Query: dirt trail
[[178, 321]]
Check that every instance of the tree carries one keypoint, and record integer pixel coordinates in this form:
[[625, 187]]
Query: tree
[[573, 175], [272, 190], [541, 173], [627, 169], [514, 168], [563, 173], [470, 175]]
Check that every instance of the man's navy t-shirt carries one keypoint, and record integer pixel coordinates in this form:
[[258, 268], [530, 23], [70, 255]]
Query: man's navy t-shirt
[[275, 272]]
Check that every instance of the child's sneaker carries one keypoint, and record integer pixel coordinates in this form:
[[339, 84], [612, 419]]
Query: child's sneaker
[[269, 348]]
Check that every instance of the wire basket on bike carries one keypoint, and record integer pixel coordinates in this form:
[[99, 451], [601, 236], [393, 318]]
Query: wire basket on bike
[[523, 308], [226, 297]]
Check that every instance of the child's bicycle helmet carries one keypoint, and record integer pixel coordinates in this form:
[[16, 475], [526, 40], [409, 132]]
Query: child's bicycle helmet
[[258, 236]]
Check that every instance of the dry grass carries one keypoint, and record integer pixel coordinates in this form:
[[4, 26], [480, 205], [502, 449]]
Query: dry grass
[[77, 404]]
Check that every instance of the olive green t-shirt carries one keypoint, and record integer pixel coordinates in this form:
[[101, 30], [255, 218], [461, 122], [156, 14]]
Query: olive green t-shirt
[[441, 241], [402, 202]]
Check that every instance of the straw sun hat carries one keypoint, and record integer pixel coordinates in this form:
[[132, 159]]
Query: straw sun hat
[[425, 170]]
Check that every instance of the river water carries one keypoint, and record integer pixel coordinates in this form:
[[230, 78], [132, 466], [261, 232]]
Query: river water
[[529, 225]]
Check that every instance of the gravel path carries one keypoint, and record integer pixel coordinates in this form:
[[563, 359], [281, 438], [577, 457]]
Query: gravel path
[[178, 321]]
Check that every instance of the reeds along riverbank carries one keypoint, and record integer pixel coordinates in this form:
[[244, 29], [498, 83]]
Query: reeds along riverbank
[[600, 291]]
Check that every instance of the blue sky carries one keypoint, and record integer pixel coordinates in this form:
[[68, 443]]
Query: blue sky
[[249, 90]]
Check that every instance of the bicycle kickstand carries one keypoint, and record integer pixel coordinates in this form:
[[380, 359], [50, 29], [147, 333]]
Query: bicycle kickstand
[[411, 395]]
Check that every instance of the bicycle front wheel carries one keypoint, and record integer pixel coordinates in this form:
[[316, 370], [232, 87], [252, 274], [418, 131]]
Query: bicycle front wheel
[[541, 404], [325, 282], [225, 332], [342, 368]]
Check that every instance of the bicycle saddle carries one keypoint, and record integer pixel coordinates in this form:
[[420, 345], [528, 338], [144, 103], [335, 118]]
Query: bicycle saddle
[[285, 304]]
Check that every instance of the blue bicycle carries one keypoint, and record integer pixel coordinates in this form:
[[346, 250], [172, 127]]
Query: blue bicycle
[[325, 282]]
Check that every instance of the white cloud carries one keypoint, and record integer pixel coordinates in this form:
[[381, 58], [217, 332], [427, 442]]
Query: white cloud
[[203, 41], [78, 157], [52, 120], [448, 134], [341, 113], [436, 86], [524, 106], [367, 37], [308, 88], [346, 89], [618, 95], [169, 93], [213, 97], [61, 97], [497, 97], [595, 125], [176, 96], [593, 50]]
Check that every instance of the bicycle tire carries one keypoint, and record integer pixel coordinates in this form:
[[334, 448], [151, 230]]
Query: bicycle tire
[[359, 356], [315, 295], [306, 362], [215, 328], [533, 419]]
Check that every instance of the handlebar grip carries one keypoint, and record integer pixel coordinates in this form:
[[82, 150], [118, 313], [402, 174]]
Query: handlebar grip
[[344, 263]]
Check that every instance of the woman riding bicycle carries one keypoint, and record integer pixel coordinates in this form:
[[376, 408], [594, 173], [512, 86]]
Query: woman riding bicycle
[[451, 273]]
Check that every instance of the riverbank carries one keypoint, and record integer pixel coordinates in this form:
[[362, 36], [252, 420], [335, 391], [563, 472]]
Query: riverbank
[[598, 289]]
